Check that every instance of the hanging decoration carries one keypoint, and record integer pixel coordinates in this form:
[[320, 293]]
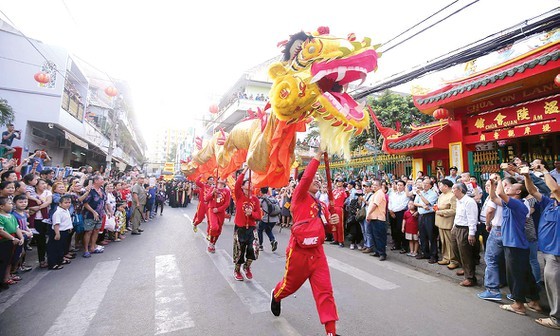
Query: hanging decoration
[[111, 91], [42, 77], [214, 109], [557, 80], [441, 113]]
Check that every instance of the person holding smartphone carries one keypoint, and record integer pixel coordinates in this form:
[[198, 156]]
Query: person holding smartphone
[[7, 139]]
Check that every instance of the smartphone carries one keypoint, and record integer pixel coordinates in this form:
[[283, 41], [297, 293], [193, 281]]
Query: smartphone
[[524, 170], [504, 165]]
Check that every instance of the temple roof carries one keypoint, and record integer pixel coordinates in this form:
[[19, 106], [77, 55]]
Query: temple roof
[[421, 138], [530, 64]]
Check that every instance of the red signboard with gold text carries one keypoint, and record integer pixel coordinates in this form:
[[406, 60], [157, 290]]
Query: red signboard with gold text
[[533, 118]]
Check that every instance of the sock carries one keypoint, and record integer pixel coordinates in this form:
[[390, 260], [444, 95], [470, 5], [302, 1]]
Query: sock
[[248, 263], [237, 267], [330, 328]]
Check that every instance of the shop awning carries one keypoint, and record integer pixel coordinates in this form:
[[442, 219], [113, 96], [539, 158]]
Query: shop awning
[[75, 140]]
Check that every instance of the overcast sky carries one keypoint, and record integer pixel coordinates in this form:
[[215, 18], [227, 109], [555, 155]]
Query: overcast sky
[[180, 56]]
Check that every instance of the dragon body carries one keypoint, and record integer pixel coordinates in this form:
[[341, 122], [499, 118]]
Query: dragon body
[[309, 84]]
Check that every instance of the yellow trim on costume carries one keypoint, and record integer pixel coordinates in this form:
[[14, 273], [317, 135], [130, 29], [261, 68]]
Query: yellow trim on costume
[[285, 274]]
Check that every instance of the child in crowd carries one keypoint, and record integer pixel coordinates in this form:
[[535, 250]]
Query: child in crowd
[[120, 219], [410, 228], [20, 205], [58, 234], [10, 236]]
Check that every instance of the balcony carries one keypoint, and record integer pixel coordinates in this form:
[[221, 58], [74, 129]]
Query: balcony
[[71, 103]]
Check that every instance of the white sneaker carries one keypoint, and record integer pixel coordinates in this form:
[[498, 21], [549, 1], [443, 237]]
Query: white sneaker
[[352, 246]]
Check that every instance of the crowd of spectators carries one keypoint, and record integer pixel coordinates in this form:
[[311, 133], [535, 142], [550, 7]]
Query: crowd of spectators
[[63, 215]]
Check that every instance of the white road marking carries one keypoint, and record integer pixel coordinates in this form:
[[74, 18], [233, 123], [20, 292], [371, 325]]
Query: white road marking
[[357, 273], [21, 291], [399, 269], [253, 295], [80, 311], [171, 305]]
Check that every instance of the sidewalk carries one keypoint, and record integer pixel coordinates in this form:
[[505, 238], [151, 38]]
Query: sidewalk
[[442, 270]]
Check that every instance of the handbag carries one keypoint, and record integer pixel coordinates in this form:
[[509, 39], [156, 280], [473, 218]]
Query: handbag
[[361, 214], [110, 223], [287, 205], [310, 232]]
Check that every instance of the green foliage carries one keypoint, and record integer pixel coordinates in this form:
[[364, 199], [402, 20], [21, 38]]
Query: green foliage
[[389, 108], [6, 112]]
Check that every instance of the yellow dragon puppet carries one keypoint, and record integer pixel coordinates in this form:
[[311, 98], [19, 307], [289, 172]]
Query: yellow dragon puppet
[[308, 84]]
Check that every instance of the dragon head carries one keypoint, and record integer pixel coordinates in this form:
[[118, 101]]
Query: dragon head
[[312, 81]]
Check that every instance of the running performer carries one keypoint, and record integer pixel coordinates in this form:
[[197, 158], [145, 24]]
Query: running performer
[[202, 207], [245, 241], [305, 257], [218, 201]]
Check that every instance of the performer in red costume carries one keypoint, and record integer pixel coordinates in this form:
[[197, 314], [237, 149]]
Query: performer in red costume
[[218, 200], [339, 196], [305, 258], [247, 213], [202, 207]]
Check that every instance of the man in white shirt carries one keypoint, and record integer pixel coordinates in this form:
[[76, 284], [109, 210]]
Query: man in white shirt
[[494, 251], [463, 233], [398, 203]]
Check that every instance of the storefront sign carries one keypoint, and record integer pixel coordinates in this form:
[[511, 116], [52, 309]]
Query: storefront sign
[[509, 98], [539, 111]]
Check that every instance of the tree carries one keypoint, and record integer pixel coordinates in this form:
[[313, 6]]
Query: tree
[[6, 112], [391, 108]]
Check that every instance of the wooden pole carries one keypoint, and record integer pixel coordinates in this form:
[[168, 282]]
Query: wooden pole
[[329, 181]]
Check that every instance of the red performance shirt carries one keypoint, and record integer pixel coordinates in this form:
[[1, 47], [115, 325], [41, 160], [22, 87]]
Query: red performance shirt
[[242, 202], [219, 199], [304, 205], [339, 196]]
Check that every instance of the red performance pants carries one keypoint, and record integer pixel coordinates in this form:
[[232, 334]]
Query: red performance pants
[[200, 213], [338, 234], [300, 266]]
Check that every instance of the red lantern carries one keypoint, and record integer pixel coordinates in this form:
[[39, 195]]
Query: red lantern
[[557, 80], [214, 109], [111, 91], [441, 113], [42, 77]]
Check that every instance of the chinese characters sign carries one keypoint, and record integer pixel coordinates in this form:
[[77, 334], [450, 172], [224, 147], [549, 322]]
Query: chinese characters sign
[[529, 119]]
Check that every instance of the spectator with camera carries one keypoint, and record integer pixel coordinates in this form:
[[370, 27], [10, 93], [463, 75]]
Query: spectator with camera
[[7, 139]]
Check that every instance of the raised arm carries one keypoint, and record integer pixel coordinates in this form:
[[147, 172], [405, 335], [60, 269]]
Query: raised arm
[[531, 188], [500, 190]]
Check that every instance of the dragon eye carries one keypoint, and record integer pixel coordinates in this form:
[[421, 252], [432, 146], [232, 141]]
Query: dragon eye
[[311, 49]]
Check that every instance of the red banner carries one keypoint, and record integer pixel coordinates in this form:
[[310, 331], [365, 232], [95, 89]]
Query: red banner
[[530, 113], [515, 132]]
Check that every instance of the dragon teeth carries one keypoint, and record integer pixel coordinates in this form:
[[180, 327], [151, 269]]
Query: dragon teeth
[[341, 73]]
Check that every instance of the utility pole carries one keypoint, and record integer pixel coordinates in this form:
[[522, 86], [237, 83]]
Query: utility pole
[[112, 136]]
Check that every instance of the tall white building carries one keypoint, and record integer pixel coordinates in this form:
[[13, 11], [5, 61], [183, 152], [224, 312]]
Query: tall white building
[[167, 142]]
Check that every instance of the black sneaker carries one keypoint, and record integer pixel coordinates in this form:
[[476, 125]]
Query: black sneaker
[[274, 245], [275, 306]]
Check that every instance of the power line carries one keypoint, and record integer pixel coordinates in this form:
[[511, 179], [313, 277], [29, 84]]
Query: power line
[[471, 51], [419, 23], [430, 26]]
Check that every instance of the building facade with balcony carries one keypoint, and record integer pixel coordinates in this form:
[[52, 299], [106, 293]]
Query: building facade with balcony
[[249, 92], [52, 116]]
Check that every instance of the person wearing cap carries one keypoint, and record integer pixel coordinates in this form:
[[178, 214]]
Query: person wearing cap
[[217, 199], [339, 197], [453, 176]]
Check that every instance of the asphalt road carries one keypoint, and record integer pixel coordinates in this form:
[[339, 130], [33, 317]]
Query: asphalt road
[[165, 283]]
